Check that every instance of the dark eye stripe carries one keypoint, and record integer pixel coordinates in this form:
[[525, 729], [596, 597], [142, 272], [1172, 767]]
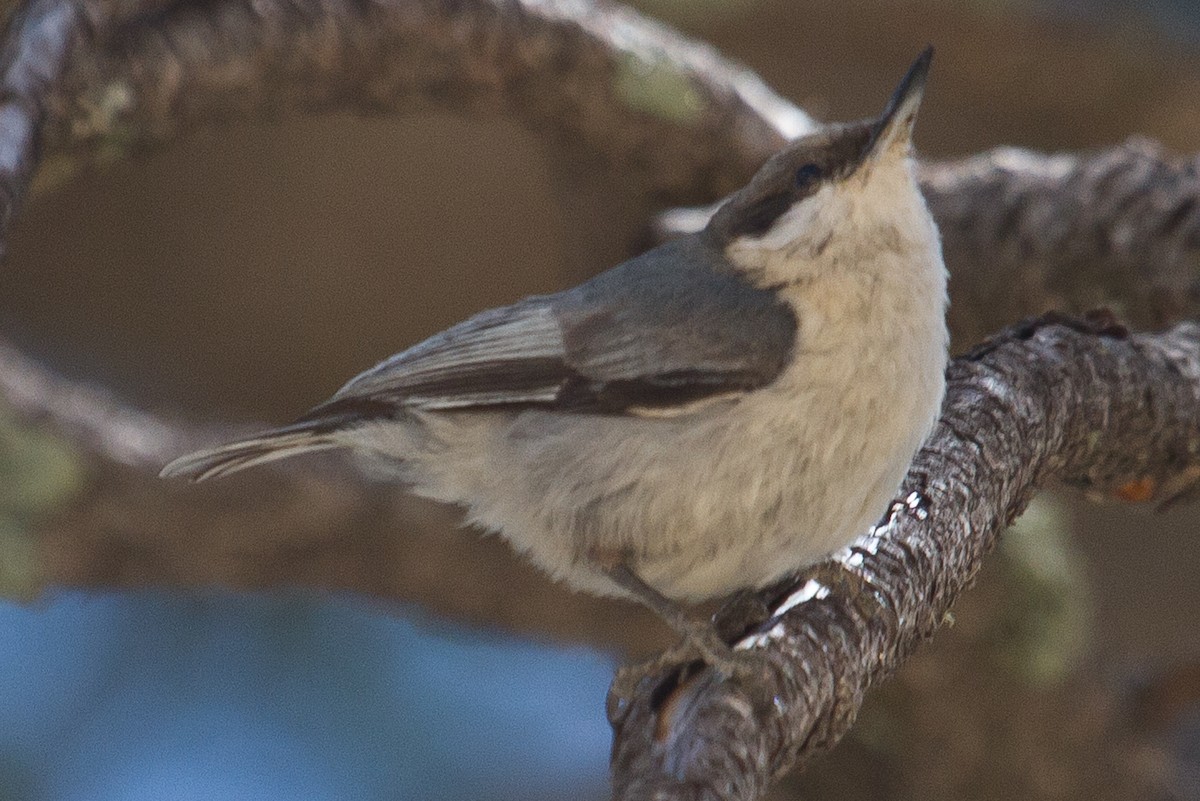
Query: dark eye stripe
[[758, 218]]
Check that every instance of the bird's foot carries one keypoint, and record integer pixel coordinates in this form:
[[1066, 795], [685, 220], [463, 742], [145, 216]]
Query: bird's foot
[[700, 643]]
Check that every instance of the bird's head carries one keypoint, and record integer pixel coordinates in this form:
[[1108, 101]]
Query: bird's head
[[836, 196]]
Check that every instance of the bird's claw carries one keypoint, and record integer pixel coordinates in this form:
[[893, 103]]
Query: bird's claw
[[700, 643]]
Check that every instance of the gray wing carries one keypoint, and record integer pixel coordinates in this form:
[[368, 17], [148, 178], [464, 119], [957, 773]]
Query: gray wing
[[665, 329], [660, 332]]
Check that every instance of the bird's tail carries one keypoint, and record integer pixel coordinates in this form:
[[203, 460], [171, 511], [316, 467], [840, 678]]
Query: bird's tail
[[279, 443]]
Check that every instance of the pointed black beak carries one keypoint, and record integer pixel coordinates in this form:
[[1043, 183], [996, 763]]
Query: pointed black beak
[[895, 126]]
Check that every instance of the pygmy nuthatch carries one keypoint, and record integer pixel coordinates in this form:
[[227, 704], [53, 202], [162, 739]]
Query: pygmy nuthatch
[[716, 413]]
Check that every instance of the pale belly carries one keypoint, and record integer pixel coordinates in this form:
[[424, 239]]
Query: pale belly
[[733, 496]]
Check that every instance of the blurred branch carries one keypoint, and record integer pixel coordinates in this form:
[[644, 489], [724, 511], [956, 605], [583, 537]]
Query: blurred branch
[[40, 39], [1024, 233], [1120, 227], [310, 523], [682, 125], [1045, 401], [667, 112]]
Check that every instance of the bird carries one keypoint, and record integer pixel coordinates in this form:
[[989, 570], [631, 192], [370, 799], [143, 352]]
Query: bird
[[710, 416]]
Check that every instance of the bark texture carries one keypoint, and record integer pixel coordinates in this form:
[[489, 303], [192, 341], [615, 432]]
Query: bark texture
[[1080, 403], [670, 113], [1025, 233], [682, 124], [101, 80], [1084, 404]]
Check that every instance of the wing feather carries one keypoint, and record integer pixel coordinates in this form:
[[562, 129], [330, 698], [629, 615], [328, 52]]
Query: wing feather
[[509, 355], [667, 329]]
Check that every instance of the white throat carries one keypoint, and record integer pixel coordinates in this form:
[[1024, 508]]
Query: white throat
[[860, 262]]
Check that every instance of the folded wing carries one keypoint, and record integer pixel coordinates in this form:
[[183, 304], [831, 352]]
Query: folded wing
[[656, 335], [660, 331]]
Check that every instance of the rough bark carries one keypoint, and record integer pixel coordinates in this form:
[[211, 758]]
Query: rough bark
[[1025, 233], [1085, 405], [141, 72], [668, 112], [1120, 227]]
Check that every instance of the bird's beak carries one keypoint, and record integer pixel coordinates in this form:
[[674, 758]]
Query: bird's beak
[[894, 128]]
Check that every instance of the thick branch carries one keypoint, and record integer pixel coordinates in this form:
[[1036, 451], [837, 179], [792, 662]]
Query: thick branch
[[1026, 233], [1042, 402], [1120, 227], [668, 112], [1023, 233], [679, 121], [683, 126], [37, 40]]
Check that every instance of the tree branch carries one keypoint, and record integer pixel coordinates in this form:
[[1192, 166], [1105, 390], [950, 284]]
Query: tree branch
[[1082, 404], [1120, 227], [311, 524], [1025, 233], [666, 111], [679, 121], [682, 126]]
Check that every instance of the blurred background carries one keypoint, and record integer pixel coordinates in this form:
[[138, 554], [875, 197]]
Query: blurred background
[[245, 272]]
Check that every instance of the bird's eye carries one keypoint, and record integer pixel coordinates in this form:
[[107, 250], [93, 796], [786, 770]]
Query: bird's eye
[[808, 175]]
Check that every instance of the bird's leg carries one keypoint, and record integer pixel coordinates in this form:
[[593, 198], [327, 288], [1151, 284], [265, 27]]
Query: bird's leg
[[699, 637], [700, 640]]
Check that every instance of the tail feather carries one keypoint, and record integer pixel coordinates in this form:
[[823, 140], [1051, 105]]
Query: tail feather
[[267, 447]]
